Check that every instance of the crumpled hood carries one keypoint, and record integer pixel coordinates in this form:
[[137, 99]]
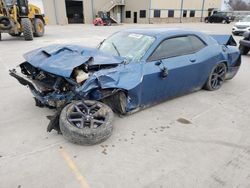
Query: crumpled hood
[[62, 59]]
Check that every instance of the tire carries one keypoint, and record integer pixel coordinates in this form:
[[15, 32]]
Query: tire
[[117, 102], [109, 23], [27, 29], [243, 50], [15, 35], [216, 77], [83, 132], [0, 36], [38, 28], [5, 23]]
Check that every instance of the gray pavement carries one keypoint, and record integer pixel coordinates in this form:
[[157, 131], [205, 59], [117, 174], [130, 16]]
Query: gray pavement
[[150, 148]]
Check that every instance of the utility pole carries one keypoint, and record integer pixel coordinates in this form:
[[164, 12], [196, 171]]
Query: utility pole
[[149, 10], [92, 8], [181, 11], [56, 12], [202, 9]]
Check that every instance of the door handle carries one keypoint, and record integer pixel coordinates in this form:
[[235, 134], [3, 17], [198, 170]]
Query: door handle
[[192, 60]]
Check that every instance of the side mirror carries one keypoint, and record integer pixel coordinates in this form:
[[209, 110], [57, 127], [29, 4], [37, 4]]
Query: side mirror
[[164, 70]]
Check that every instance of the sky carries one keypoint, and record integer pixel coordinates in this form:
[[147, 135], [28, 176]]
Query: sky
[[223, 7]]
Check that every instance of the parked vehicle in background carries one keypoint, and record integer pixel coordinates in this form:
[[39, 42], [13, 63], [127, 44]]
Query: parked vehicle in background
[[242, 26], [245, 43], [20, 17], [102, 19], [219, 17]]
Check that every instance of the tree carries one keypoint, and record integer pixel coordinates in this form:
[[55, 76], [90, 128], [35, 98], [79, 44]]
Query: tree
[[239, 4]]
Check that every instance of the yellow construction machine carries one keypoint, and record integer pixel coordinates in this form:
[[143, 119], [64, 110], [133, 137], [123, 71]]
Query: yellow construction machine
[[18, 17]]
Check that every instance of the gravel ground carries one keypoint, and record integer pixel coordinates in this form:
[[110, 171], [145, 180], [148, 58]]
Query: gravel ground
[[155, 147]]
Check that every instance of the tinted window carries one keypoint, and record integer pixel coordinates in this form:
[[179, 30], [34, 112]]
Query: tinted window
[[192, 13], [171, 13], [196, 43], [142, 13], [157, 13], [128, 14], [176, 47]]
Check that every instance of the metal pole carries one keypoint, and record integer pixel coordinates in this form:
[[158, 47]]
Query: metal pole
[[56, 16], [92, 7], [181, 11], [202, 9], [149, 10]]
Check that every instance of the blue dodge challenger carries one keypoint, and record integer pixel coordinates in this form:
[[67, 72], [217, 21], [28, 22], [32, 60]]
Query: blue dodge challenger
[[128, 71]]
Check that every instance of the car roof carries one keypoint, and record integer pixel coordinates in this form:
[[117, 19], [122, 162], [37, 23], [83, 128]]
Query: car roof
[[162, 31]]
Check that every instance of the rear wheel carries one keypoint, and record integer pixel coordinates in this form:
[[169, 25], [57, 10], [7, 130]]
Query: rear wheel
[[86, 122], [27, 29], [243, 50], [216, 77], [38, 28], [5, 23], [109, 23]]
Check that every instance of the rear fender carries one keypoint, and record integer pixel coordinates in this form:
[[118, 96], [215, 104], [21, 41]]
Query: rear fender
[[226, 40]]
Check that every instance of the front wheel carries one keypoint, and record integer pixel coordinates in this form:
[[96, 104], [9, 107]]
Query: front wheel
[[27, 29], [86, 122], [216, 77]]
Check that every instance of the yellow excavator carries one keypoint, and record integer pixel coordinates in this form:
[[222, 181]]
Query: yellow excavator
[[18, 17]]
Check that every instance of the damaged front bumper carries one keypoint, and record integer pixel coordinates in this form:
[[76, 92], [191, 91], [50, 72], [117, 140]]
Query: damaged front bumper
[[53, 99]]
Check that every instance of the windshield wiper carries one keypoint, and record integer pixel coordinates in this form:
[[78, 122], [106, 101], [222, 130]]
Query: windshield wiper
[[116, 49]]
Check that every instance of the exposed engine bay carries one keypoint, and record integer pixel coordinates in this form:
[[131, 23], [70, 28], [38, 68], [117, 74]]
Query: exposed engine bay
[[46, 87]]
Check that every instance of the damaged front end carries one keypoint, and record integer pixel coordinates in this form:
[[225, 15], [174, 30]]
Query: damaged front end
[[55, 73], [58, 75], [48, 89]]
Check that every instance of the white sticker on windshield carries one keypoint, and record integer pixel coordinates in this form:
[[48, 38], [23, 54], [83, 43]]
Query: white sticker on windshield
[[138, 36]]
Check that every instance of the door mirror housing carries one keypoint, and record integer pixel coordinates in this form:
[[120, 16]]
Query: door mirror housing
[[164, 70]]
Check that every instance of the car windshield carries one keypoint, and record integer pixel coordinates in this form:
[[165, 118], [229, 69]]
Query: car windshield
[[130, 46], [246, 19]]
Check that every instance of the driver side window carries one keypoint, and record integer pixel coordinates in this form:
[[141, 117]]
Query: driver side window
[[177, 46]]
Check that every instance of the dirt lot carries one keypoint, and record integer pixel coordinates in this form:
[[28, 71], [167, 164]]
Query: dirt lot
[[151, 148]]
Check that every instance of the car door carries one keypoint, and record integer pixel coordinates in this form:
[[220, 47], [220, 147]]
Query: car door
[[215, 18], [212, 18], [220, 18], [171, 70]]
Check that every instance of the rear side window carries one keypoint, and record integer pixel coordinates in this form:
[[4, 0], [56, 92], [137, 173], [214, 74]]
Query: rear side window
[[197, 44], [177, 46]]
